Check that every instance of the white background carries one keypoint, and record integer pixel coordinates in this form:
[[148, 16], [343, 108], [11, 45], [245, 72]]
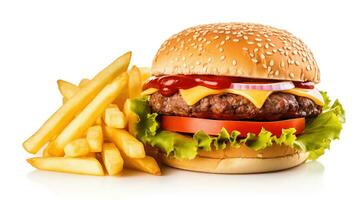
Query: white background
[[42, 41]]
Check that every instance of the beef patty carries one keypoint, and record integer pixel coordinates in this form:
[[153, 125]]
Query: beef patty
[[231, 106]]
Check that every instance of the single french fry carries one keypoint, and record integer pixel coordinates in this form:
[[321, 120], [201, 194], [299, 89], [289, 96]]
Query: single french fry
[[89, 166], [113, 117], [67, 89], [145, 74], [95, 139], [64, 115], [77, 148], [112, 159], [86, 118], [120, 100], [132, 118], [147, 164], [83, 82], [134, 83], [127, 144]]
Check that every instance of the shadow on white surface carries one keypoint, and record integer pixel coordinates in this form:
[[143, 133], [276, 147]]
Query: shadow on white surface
[[306, 177]]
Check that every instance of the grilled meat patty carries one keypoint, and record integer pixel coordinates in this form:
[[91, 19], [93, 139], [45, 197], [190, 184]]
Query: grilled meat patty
[[236, 107]]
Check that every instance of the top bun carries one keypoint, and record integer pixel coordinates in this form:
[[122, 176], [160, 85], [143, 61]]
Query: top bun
[[237, 49]]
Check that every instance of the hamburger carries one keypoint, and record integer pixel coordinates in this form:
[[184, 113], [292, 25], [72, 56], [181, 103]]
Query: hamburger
[[235, 98]]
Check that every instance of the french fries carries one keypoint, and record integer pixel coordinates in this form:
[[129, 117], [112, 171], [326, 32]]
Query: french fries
[[134, 83], [112, 159], [95, 139], [126, 143], [113, 117], [89, 166], [147, 164], [89, 114], [77, 148], [63, 116]]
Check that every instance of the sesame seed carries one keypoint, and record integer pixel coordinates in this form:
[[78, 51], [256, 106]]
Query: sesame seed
[[266, 45], [265, 66], [282, 63], [269, 53], [216, 37], [294, 52], [235, 40], [198, 62], [254, 60], [251, 55], [259, 44], [308, 67], [199, 39], [208, 42], [223, 57], [183, 58], [274, 50], [262, 57], [258, 39], [245, 49], [234, 62], [220, 49], [250, 42], [209, 59], [222, 42], [271, 63], [297, 63], [304, 59], [271, 44], [227, 37], [256, 50], [269, 69], [276, 73], [245, 37]]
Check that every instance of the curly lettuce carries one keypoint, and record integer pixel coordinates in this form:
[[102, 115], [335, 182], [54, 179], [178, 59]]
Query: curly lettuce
[[317, 136]]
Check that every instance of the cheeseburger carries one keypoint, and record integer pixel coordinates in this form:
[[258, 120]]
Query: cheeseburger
[[235, 98]]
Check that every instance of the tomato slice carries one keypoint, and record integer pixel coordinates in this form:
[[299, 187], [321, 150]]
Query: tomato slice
[[213, 126]]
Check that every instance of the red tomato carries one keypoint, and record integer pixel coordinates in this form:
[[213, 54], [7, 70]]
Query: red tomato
[[213, 127]]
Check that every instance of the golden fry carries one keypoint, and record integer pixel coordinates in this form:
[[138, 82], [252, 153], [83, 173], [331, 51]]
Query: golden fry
[[134, 83], [112, 159], [89, 166], [60, 119], [67, 89], [113, 117], [127, 144], [95, 139], [147, 164], [83, 82]]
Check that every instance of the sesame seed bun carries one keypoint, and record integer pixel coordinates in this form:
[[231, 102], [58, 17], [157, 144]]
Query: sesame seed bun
[[237, 49], [241, 160]]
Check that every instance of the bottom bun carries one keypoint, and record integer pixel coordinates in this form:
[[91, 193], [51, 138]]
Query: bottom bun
[[237, 165]]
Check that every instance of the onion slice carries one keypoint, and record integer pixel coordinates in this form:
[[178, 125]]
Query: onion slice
[[284, 85]]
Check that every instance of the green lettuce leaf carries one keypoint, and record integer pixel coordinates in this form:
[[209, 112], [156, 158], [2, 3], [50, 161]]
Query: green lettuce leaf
[[320, 131]]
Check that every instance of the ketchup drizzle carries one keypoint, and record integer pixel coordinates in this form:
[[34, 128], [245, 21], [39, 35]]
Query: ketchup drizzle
[[170, 84]]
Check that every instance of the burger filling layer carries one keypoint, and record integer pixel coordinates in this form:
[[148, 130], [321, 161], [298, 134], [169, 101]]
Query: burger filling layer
[[231, 106]]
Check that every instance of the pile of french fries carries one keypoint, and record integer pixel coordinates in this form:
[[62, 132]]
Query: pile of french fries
[[93, 131]]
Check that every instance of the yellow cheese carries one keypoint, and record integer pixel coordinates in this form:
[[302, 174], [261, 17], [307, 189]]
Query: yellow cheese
[[257, 97], [312, 94], [148, 91]]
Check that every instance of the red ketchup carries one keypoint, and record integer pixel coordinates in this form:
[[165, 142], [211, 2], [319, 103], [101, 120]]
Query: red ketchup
[[170, 84]]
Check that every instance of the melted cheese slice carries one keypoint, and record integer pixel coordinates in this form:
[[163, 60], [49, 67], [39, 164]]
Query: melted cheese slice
[[257, 97]]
